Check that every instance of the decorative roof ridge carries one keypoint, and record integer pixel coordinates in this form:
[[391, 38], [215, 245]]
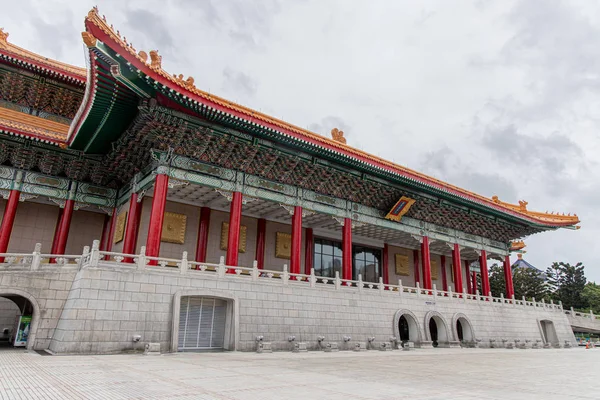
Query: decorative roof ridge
[[561, 219], [77, 73], [155, 65], [33, 127]]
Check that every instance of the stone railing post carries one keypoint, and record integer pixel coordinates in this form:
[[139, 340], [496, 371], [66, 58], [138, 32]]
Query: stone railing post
[[286, 275], [338, 283], [477, 295], [141, 258], [524, 302], [560, 304], [418, 289], [184, 267], [380, 285], [86, 252], [464, 295], [95, 253], [435, 290], [592, 315], [255, 271], [221, 270], [502, 298], [533, 302], [450, 292], [360, 283], [36, 257], [572, 312], [400, 287], [313, 278], [513, 300]]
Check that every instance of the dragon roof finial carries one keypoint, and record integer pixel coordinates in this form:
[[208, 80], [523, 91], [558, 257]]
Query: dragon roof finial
[[338, 135]]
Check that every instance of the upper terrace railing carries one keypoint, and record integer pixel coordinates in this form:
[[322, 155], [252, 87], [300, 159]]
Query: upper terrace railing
[[94, 257]]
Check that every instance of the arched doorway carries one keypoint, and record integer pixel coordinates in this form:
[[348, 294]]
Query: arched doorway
[[433, 332], [462, 328], [18, 319], [406, 327], [436, 329]]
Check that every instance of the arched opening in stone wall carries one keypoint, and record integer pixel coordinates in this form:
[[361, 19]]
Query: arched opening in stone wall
[[436, 329], [18, 320], [406, 327], [464, 330]]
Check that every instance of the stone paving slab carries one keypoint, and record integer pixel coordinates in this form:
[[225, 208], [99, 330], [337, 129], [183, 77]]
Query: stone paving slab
[[467, 374]]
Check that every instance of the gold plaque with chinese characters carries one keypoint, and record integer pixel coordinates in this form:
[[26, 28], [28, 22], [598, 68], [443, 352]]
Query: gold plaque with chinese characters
[[402, 266], [225, 234], [173, 230], [434, 270], [120, 227], [283, 245]]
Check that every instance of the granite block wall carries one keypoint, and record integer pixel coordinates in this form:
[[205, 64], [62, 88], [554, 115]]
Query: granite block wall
[[107, 307]]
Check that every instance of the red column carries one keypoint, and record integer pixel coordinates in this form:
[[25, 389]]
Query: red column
[[510, 291], [157, 214], [131, 229], [485, 279], [8, 220], [111, 231], [444, 275], [473, 281], [261, 234], [64, 226], [104, 236], [55, 237], [202, 242], [385, 264], [469, 288], [296, 259], [235, 221], [347, 249], [426, 260], [458, 285], [416, 262], [309, 247]]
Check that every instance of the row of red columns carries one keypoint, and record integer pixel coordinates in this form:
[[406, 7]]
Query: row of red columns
[[235, 216]]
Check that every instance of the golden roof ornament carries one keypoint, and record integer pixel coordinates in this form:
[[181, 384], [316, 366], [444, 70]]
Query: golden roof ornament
[[88, 39], [155, 60], [3, 38], [338, 135]]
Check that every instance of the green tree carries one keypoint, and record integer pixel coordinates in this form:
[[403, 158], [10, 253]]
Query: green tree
[[591, 294], [567, 282], [530, 283], [497, 283]]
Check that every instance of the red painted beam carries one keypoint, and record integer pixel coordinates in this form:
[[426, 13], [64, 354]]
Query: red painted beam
[[456, 267], [510, 291], [485, 278], [347, 249], [132, 227], [426, 260]]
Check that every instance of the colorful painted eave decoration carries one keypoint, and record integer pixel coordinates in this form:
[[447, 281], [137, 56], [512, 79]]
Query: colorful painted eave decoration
[[43, 65], [184, 89], [400, 208], [31, 127]]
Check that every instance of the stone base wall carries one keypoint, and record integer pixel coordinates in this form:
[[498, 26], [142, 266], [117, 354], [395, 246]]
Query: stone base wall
[[106, 307], [47, 291]]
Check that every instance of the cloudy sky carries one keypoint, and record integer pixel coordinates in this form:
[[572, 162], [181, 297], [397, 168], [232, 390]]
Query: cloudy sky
[[500, 97]]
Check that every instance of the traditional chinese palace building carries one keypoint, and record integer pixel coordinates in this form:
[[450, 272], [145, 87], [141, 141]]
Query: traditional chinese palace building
[[217, 220]]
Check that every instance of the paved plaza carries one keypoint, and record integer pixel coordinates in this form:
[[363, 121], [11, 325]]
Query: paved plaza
[[420, 374]]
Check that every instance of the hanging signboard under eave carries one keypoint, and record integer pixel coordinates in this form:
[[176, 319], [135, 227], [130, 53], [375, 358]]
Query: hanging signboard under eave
[[400, 208]]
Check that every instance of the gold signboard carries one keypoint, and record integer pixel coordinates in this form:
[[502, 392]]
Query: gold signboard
[[173, 230], [120, 227], [225, 234], [283, 245], [400, 208], [402, 265]]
